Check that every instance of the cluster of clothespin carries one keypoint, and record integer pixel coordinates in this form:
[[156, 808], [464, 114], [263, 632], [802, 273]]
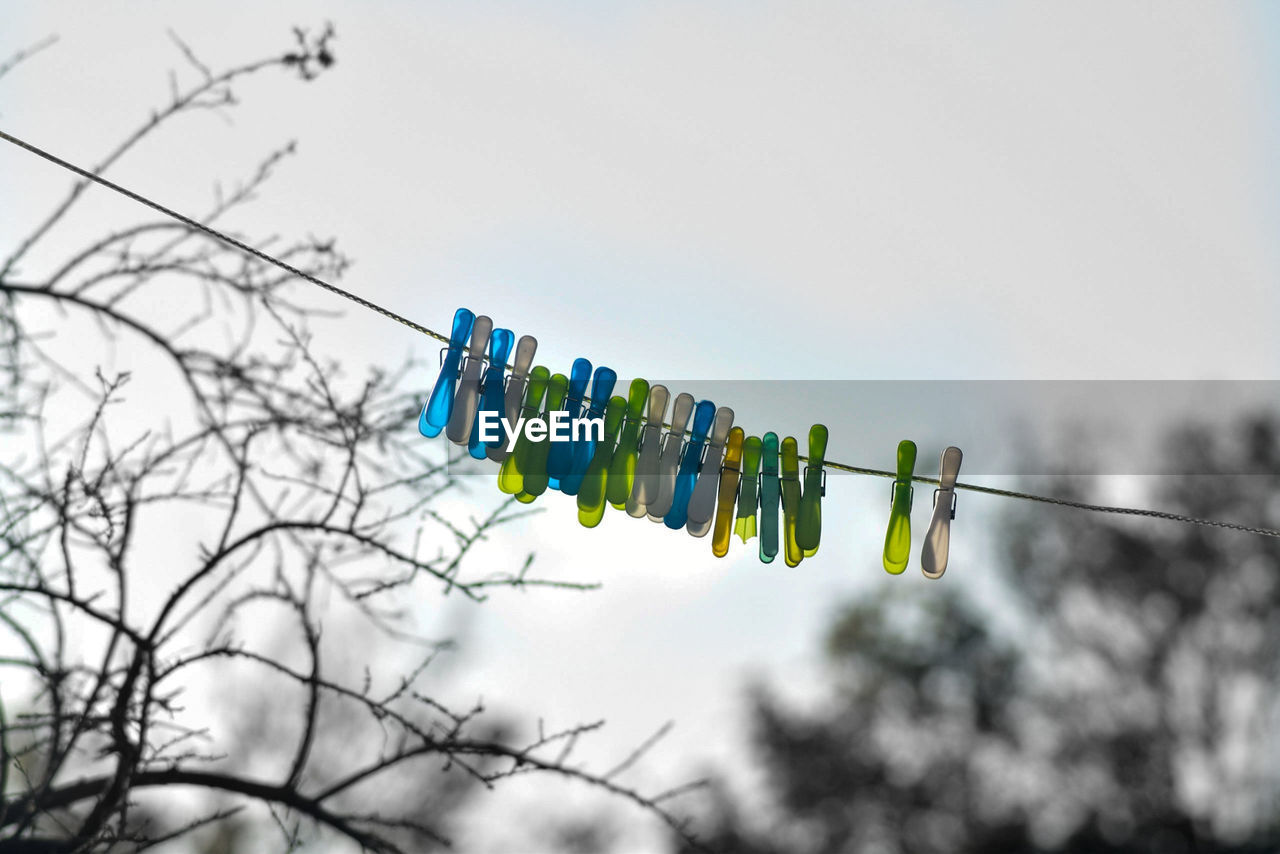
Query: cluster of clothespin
[[647, 469], [937, 542]]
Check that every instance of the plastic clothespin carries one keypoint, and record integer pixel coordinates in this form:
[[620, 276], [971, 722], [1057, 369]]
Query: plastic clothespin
[[748, 497], [560, 458], [937, 543], [702, 504], [669, 459], [897, 539], [791, 500], [435, 413], [516, 383], [727, 494], [492, 394], [688, 474], [622, 469], [468, 395], [584, 447], [809, 521], [769, 493], [595, 483], [536, 478], [511, 475], [645, 488]]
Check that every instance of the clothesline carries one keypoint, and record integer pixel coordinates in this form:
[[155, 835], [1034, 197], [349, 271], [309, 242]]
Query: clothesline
[[89, 176]]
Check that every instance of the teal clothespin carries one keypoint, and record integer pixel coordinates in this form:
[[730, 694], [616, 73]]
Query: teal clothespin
[[769, 496]]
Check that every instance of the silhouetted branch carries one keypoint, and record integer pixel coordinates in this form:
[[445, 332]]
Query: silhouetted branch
[[146, 551]]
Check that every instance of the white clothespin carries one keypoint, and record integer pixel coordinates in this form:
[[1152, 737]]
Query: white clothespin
[[702, 504], [937, 543], [516, 382], [467, 398], [644, 489], [669, 460]]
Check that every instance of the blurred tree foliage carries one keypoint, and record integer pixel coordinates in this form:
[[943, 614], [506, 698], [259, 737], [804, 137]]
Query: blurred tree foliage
[[1129, 707]]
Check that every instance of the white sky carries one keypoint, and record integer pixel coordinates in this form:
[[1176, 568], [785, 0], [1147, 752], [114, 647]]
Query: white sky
[[722, 191]]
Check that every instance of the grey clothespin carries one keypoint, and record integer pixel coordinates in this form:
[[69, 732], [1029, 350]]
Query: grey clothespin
[[937, 543], [467, 398]]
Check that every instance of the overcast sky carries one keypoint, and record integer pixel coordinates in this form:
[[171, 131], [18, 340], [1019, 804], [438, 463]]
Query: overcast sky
[[736, 191]]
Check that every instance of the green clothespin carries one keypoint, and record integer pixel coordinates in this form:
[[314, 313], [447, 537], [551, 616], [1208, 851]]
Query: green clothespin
[[622, 471], [535, 476], [897, 540], [594, 486], [511, 474], [769, 499], [748, 496], [809, 521], [791, 500]]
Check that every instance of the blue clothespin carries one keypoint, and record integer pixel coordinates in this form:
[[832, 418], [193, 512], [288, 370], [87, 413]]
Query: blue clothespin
[[435, 412], [561, 455], [679, 513], [585, 448], [493, 396]]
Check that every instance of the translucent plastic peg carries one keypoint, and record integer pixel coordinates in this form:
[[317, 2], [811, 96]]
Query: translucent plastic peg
[[809, 522], [467, 398], [560, 458], [748, 495], [791, 500], [511, 475], [435, 414], [645, 488], [702, 504], [622, 469], [525, 348], [727, 493], [937, 543], [594, 486], [769, 489], [584, 447], [492, 394], [897, 539], [536, 479], [669, 461], [685, 478]]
